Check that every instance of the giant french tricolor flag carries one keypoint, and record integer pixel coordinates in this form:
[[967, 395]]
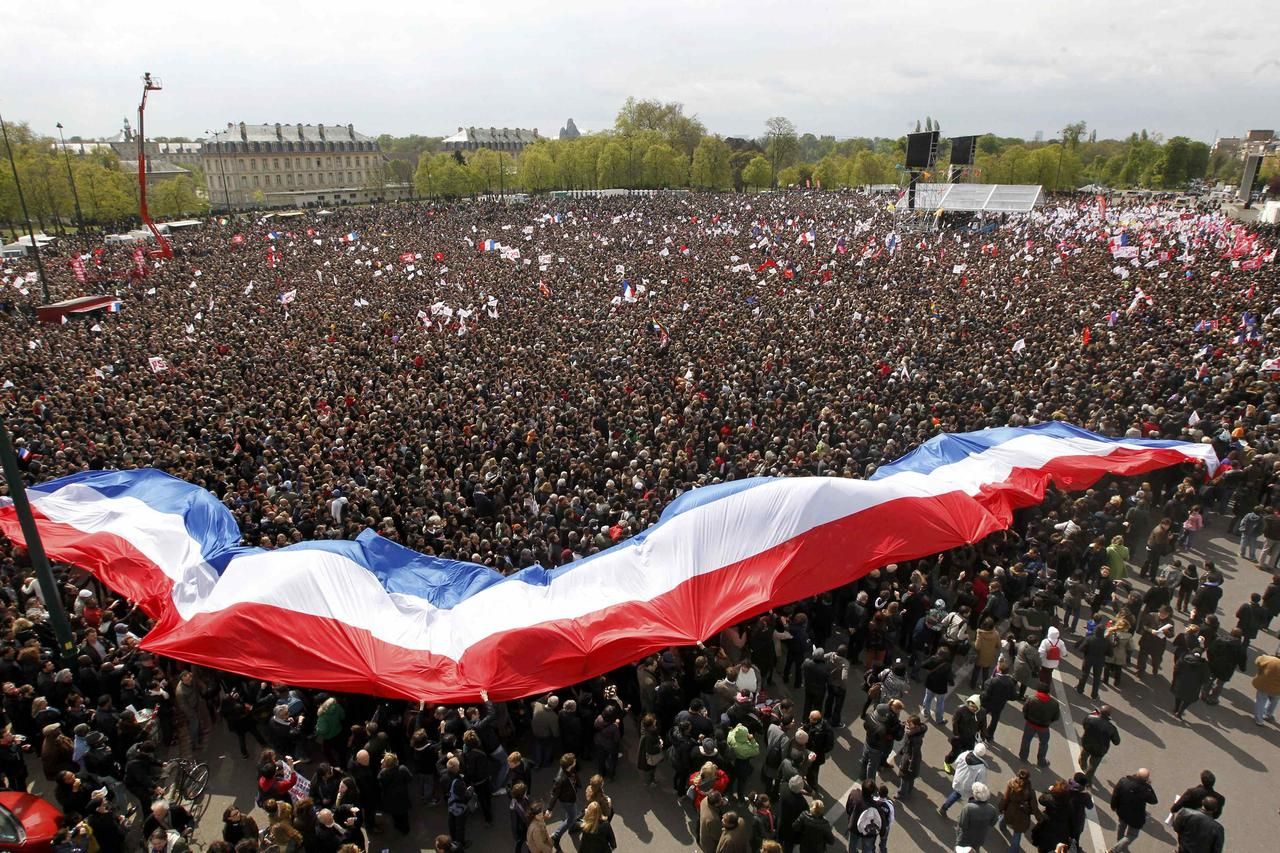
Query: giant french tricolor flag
[[372, 616]]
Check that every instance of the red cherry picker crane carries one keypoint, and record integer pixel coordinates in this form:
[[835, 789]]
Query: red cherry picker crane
[[163, 249]]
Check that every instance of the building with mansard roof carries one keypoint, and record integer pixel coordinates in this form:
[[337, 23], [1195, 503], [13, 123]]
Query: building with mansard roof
[[293, 165], [511, 139]]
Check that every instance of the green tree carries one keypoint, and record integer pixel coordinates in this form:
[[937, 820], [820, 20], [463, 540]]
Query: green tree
[[442, 175], [781, 143], [489, 169], [738, 161], [1175, 168], [664, 167], [176, 197], [711, 167], [106, 193], [613, 166], [680, 131], [537, 169], [832, 172], [1071, 134], [1197, 160], [870, 168], [758, 173]]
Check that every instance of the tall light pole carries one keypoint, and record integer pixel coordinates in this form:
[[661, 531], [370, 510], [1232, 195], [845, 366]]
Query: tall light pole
[[35, 549], [22, 202], [74, 193], [222, 169]]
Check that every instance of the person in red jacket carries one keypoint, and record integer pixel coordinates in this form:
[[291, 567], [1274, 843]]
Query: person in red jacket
[[702, 782], [275, 778], [1039, 713]]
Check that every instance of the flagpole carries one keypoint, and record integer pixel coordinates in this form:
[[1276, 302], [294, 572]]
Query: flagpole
[[35, 548], [22, 201]]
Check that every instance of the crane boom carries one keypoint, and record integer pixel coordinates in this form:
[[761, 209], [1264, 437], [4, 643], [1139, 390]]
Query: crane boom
[[163, 249]]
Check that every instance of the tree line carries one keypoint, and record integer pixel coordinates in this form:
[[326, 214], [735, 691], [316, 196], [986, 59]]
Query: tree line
[[107, 189], [657, 145], [652, 145]]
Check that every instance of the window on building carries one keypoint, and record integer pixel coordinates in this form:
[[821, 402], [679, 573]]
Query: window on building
[[244, 181], [277, 180], [286, 162], [253, 164], [255, 180], [350, 178], [288, 179], [317, 162]]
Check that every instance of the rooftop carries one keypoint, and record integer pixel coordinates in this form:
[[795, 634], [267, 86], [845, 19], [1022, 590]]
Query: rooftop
[[289, 133], [487, 135]]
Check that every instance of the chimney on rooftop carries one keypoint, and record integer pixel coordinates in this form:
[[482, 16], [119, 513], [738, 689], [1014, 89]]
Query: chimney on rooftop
[[279, 135], [301, 136], [244, 134], [320, 129], [351, 131]]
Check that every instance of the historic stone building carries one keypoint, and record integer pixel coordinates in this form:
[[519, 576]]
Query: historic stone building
[[292, 165], [510, 139]]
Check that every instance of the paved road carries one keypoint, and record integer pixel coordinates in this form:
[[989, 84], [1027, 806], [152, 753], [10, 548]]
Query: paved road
[[1223, 738]]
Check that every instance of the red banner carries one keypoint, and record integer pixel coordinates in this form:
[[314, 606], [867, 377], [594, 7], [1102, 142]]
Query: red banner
[[237, 240], [77, 267], [406, 257]]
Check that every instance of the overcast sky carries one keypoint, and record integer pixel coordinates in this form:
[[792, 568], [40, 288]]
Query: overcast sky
[[844, 67]]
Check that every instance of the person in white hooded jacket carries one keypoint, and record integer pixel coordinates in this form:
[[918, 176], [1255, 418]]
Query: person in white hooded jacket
[[1052, 650], [971, 766]]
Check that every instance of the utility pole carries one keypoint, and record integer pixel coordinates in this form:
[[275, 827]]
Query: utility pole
[[35, 549], [22, 202], [1062, 149], [222, 168], [71, 178]]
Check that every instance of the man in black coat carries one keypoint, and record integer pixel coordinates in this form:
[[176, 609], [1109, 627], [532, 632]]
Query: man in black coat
[[816, 672], [996, 693], [1189, 680], [1097, 735], [1226, 654], [1094, 649], [1194, 797], [1198, 829], [822, 739], [1129, 800]]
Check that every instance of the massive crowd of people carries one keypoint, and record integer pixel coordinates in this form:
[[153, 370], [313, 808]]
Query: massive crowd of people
[[540, 397]]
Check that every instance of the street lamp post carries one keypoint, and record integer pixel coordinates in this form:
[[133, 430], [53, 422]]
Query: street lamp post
[[70, 177], [35, 549], [222, 171], [22, 202]]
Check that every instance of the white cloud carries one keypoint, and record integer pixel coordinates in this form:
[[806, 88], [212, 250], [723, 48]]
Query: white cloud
[[865, 68]]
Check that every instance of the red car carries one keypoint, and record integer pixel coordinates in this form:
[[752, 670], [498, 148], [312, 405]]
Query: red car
[[27, 823]]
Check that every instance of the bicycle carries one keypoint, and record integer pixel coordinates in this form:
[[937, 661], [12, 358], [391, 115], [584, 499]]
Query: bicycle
[[189, 779]]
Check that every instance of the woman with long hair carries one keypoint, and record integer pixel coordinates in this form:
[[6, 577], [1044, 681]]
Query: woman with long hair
[[597, 833], [1017, 808]]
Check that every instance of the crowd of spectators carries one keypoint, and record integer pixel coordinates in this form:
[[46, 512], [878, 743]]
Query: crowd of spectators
[[542, 398]]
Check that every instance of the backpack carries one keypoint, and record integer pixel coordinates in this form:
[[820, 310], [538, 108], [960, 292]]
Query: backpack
[[1054, 652], [774, 755], [870, 822]]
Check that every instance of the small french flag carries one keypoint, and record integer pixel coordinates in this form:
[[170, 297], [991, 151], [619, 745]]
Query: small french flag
[[23, 454], [114, 308], [628, 292], [487, 245], [351, 238]]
